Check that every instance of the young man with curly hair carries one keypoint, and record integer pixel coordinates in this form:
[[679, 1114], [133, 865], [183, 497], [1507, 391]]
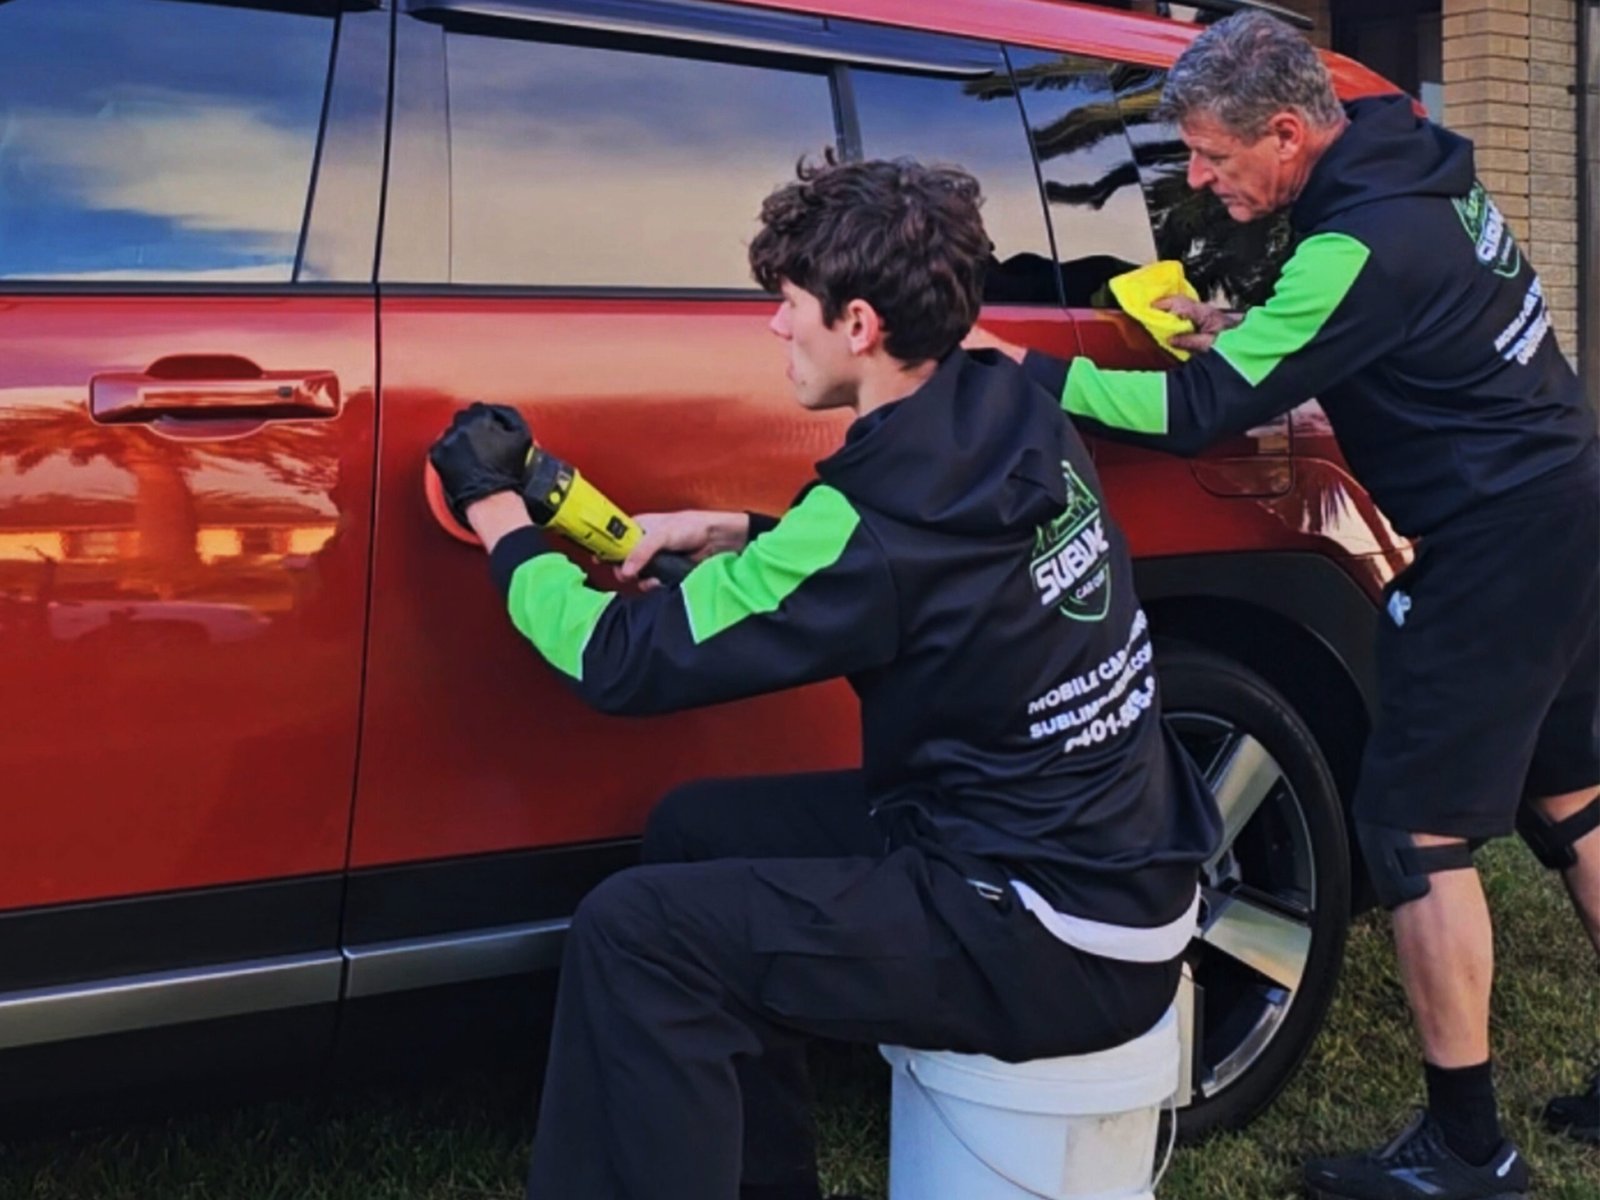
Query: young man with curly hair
[[1013, 869]]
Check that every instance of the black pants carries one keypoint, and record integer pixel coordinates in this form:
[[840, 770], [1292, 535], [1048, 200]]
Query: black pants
[[768, 910]]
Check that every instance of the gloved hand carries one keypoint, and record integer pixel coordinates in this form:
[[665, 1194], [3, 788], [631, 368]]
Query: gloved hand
[[484, 451]]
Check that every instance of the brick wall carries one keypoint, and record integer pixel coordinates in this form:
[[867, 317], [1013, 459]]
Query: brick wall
[[1553, 160], [1508, 65]]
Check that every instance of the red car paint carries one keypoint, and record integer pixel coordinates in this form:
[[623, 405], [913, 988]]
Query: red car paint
[[237, 648]]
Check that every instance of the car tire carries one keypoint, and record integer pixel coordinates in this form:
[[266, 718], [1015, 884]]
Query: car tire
[[1275, 900]]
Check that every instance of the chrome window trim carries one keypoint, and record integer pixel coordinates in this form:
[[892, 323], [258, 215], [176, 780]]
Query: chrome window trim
[[732, 27]]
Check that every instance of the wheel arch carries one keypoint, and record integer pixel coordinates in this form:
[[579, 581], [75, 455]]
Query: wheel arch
[[1275, 613]]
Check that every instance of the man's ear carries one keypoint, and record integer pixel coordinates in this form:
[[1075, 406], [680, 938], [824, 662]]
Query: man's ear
[[864, 325], [1288, 131]]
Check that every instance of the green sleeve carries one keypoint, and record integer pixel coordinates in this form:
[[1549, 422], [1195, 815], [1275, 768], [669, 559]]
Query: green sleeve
[[810, 599], [1331, 313]]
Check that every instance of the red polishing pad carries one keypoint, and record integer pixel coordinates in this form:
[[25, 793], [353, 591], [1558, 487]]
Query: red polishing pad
[[434, 491]]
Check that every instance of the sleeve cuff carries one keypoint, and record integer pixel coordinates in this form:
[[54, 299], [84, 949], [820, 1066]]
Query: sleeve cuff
[[511, 551], [761, 523], [1048, 372]]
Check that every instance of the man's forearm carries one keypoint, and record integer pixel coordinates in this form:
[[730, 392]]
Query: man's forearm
[[727, 531], [1130, 407], [495, 516]]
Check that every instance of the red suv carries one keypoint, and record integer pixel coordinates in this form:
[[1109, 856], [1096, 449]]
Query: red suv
[[272, 754]]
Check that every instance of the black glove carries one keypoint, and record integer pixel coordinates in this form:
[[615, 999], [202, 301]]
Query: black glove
[[484, 451]]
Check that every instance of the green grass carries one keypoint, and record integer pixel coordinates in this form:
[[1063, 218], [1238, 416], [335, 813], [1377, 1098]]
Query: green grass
[[468, 1138]]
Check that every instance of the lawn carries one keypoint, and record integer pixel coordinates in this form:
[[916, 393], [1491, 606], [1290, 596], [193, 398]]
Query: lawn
[[468, 1138]]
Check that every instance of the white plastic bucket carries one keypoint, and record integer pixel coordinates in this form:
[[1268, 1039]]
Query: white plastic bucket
[[968, 1127]]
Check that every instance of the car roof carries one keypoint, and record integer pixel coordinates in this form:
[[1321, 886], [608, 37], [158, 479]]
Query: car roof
[[1060, 25]]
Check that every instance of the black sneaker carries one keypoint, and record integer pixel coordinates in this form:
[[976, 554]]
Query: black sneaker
[[1418, 1165], [1577, 1116]]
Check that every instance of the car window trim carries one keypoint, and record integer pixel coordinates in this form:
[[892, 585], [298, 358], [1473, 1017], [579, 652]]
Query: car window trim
[[846, 115], [317, 151], [178, 287], [556, 291], [730, 28], [340, 232], [312, 8]]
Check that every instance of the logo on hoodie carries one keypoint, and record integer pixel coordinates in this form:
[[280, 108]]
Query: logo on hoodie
[[1492, 240], [1071, 565]]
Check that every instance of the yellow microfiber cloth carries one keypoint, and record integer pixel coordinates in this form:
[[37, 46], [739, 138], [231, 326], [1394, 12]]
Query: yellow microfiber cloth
[[1137, 291]]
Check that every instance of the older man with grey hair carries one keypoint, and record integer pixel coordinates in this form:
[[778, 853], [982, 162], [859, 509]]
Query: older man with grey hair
[[1408, 308]]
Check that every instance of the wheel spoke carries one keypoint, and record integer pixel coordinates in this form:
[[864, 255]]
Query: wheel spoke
[[1191, 1004], [1268, 942], [1244, 777]]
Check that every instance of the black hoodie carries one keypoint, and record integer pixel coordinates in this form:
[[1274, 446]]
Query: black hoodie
[[953, 559], [1408, 309]]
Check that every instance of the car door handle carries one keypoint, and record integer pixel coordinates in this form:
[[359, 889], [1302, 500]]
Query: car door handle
[[123, 397]]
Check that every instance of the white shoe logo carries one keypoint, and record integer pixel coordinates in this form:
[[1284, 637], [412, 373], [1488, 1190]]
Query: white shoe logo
[[1506, 1166], [1399, 606], [1412, 1177]]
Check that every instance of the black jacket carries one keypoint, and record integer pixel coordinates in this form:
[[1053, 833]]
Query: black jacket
[[1407, 308], [953, 559]]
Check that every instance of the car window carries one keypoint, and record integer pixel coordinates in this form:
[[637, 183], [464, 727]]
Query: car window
[[1091, 182], [1227, 262], [586, 165], [973, 122], [147, 139]]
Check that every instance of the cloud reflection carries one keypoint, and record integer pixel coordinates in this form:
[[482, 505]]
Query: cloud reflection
[[203, 163], [142, 139], [573, 165]]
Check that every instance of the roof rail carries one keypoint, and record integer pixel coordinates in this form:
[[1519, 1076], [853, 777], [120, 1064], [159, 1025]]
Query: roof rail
[[1298, 20]]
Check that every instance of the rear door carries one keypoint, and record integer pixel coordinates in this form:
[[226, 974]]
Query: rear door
[[572, 189], [188, 210]]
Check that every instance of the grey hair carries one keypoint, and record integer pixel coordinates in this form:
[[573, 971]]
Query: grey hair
[[1244, 69]]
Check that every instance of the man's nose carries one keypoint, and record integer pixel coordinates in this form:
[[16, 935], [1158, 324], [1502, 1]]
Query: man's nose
[[1200, 175], [779, 324]]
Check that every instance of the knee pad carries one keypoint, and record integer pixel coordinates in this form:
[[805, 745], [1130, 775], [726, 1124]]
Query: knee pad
[[1552, 841], [1399, 868]]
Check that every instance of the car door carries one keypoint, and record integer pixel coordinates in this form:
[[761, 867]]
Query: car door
[[571, 191], [564, 234], [188, 211]]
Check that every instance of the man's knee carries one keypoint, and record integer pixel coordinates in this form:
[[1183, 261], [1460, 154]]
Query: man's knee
[[678, 826], [621, 911], [1554, 838], [1399, 868]]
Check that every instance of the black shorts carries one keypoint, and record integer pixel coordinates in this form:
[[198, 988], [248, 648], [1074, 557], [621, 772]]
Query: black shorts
[[1489, 665]]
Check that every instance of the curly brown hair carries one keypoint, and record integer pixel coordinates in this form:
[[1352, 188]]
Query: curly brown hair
[[904, 237]]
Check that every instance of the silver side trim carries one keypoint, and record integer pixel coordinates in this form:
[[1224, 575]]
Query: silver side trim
[[130, 1002], [379, 968]]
